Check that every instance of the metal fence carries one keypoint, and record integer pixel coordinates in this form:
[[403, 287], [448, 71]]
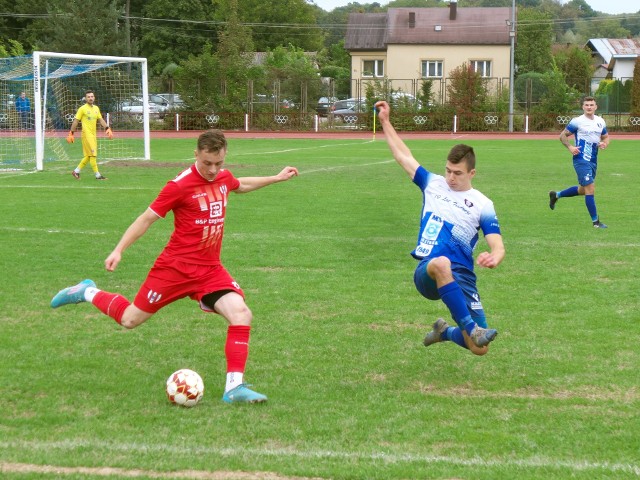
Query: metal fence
[[439, 121], [293, 109]]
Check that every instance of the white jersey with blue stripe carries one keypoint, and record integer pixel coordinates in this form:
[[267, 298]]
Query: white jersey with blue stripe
[[588, 133], [451, 220]]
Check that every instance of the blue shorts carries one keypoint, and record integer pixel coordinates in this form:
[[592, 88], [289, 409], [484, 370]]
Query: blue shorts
[[463, 277], [586, 172]]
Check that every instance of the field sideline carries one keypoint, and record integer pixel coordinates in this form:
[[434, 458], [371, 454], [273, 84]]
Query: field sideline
[[336, 343]]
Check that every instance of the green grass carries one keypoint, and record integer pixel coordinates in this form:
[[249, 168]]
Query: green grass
[[336, 343]]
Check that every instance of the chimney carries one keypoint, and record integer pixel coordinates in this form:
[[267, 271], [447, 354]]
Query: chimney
[[412, 19], [453, 7]]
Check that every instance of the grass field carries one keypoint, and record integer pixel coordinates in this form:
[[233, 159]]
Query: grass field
[[336, 343]]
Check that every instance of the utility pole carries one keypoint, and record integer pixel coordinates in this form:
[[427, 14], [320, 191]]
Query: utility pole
[[512, 34]]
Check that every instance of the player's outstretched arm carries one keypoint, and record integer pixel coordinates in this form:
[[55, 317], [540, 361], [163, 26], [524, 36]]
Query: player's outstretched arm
[[249, 184], [138, 228], [400, 151]]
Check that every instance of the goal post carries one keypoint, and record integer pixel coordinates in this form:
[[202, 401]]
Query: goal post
[[55, 83]]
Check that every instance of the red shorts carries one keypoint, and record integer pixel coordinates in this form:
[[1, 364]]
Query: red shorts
[[170, 280]]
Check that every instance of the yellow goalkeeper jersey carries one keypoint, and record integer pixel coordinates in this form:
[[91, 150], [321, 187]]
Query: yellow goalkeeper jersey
[[88, 115]]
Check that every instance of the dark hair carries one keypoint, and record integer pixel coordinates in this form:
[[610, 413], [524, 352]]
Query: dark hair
[[212, 141], [89, 91], [460, 153], [588, 99]]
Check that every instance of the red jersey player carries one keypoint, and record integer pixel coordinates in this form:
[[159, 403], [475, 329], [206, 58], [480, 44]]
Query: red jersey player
[[190, 264]]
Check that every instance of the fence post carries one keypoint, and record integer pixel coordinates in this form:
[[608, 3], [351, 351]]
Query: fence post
[[455, 123], [177, 122], [246, 122]]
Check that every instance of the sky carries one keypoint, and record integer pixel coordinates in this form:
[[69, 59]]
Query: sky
[[604, 6]]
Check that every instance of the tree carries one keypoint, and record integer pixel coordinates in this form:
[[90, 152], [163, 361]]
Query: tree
[[466, 90], [616, 95], [558, 98], [235, 54], [576, 66], [582, 7], [534, 39], [290, 70], [175, 30], [635, 90], [13, 48], [276, 23], [91, 27], [529, 89], [196, 77], [603, 28], [335, 62]]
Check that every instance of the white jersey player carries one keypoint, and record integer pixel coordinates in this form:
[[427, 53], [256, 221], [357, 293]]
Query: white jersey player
[[452, 215]]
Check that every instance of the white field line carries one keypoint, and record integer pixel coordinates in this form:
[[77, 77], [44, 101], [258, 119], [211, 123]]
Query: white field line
[[387, 458], [282, 236], [66, 187], [340, 167], [20, 173], [23, 468], [289, 150], [51, 230]]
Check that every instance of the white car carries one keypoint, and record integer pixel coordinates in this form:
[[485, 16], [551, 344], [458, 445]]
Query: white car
[[136, 106]]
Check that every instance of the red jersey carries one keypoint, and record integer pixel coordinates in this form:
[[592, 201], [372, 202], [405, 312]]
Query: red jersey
[[199, 208]]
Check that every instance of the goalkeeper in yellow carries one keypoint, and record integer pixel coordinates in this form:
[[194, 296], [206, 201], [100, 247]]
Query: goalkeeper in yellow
[[89, 115]]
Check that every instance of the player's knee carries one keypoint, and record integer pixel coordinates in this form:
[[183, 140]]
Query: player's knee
[[128, 323], [439, 267], [241, 316], [132, 318]]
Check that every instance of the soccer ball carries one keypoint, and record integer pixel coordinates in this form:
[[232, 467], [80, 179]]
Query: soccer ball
[[185, 387]]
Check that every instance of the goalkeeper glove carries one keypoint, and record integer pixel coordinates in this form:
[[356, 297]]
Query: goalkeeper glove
[[70, 138], [109, 133]]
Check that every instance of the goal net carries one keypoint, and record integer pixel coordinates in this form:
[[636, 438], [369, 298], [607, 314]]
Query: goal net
[[33, 129]]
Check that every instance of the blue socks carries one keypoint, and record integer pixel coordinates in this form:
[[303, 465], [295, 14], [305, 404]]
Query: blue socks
[[590, 202], [454, 334], [452, 296], [568, 192]]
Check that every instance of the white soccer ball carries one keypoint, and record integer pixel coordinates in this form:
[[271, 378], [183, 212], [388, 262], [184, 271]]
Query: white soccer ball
[[185, 387]]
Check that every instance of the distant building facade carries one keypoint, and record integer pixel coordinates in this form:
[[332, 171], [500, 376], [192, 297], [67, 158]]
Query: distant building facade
[[409, 44]]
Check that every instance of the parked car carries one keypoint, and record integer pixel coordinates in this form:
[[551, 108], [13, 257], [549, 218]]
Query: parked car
[[167, 101], [324, 105], [262, 101], [347, 103], [136, 106], [349, 114], [401, 99]]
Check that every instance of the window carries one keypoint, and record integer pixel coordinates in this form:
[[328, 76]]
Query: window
[[483, 67], [431, 68], [373, 68]]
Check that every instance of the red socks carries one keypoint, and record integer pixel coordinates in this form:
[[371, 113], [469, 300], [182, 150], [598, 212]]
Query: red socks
[[237, 347], [111, 304]]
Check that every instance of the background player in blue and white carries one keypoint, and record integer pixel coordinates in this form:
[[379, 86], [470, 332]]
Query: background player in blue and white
[[452, 214], [591, 135]]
